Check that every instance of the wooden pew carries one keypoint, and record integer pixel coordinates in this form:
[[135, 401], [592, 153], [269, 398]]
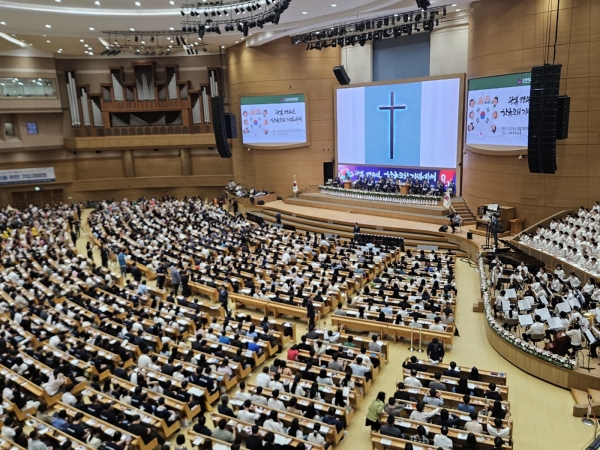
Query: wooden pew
[[303, 402], [181, 407], [360, 340], [244, 429], [487, 376], [427, 377], [452, 399], [48, 431]]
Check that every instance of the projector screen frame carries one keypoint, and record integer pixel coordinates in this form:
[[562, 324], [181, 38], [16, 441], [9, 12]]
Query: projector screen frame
[[461, 114], [277, 146]]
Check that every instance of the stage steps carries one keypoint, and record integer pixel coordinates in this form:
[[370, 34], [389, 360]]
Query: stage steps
[[345, 229], [461, 207], [580, 397], [595, 395], [427, 214]]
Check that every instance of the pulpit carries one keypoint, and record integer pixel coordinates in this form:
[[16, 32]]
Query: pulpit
[[347, 184], [404, 189]]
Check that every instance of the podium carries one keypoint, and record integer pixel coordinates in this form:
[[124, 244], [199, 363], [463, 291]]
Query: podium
[[404, 189], [347, 184]]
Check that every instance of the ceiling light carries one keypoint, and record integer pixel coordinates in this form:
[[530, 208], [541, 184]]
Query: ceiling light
[[172, 2], [333, 5], [91, 28], [171, 28], [138, 4], [48, 26], [48, 41], [304, 12], [453, 4], [85, 45], [57, 1], [222, 46], [97, 3], [458, 10], [132, 29]]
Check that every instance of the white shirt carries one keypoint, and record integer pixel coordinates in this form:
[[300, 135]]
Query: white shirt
[[247, 416], [240, 395], [536, 328], [412, 381], [274, 426], [501, 432], [68, 399], [54, 341], [53, 384], [263, 379], [261, 400], [144, 361], [439, 440], [273, 385], [575, 336], [276, 404]]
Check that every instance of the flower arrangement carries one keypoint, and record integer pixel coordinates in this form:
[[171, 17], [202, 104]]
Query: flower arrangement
[[528, 347], [412, 199]]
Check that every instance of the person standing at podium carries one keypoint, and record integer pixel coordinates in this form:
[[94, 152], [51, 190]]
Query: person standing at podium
[[494, 228], [356, 228]]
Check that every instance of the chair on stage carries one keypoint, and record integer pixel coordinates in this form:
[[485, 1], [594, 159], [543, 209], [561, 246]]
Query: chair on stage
[[535, 338]]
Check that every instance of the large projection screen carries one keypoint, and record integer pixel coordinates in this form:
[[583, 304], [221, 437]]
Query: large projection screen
[[497, 112], [274, 121], [400, 129]]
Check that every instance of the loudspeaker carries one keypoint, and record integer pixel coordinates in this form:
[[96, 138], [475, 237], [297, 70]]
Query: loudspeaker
[[562, 117], [443, 229], [219, 126], [469, 235], [543, 110], [230, 126], [341, 75]]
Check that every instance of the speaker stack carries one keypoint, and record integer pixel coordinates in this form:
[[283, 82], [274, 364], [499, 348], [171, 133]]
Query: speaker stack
[[220, 126], [544, 118]]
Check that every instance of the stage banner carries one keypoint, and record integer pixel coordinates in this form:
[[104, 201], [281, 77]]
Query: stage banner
[[353, 172], [26, 176]]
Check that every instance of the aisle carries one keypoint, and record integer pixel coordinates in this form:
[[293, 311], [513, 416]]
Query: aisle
[[541, 412]]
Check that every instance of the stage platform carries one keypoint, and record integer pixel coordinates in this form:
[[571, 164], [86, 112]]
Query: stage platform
[[418, 213], [318, 220]]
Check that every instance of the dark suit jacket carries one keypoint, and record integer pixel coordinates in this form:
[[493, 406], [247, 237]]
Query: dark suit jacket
[[254, 443]]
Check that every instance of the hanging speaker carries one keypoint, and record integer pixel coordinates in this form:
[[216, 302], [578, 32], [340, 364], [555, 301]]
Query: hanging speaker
[[543, 110], [341, 75], [562, 117], [220, 127], [230, 126]]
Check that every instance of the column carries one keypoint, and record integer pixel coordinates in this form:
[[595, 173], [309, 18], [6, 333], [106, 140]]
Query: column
[[128, 164], [186, 162]]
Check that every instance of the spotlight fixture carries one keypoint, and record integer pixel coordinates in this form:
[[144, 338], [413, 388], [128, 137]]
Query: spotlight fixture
[[423, 4], [381, 28]]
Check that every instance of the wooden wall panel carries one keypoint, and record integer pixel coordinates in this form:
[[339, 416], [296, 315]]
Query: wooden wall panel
[[158, 166], [508, 36], [277, 68], [93, 168], [211, 165]]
